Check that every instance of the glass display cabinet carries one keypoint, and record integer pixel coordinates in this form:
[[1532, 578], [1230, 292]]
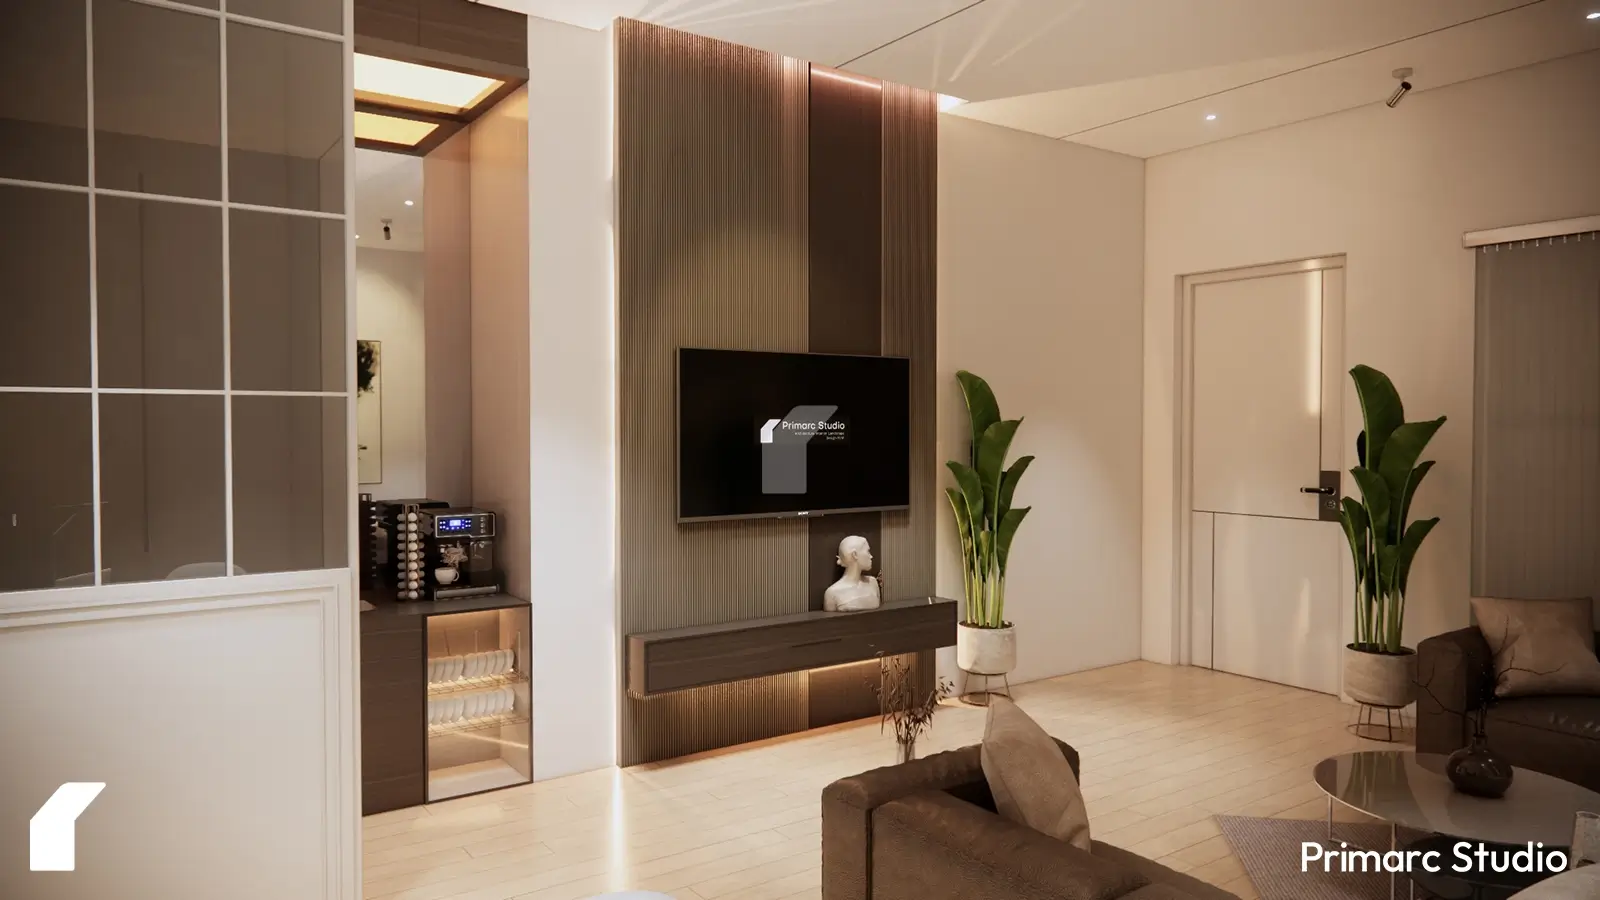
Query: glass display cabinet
[[479, 725]]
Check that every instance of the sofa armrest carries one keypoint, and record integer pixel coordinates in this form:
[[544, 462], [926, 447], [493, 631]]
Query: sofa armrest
[[1453, 671], [932, 846], [847, 806]]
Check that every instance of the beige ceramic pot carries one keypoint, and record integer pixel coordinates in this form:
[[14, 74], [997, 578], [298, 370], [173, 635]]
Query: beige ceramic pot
[[986, 651]]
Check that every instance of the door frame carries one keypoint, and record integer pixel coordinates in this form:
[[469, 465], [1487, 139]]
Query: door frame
[[1184, 628]]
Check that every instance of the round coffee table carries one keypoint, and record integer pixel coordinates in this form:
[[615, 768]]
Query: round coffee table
[[1409, 790]]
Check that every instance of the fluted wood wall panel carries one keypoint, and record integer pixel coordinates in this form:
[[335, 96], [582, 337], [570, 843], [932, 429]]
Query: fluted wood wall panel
[[711, 252], [910, 312]]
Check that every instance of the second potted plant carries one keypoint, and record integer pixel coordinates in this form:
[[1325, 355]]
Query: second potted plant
[[1379, 670], [986, 644]]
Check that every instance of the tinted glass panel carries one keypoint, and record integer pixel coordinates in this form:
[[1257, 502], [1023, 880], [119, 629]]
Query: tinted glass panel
[[289, 492], [160, 295], [319, 14], [44, 288], [287, 286], [286, 111], [46, 495], [157, 100], [162, 487], [43, 109]]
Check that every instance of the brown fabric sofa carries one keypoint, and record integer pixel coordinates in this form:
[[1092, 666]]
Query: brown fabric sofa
[[927, 830], [1559, 736]]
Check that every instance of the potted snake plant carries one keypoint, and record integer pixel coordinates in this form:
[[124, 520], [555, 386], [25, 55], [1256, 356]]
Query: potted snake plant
[[1378, 668], [986, 643]]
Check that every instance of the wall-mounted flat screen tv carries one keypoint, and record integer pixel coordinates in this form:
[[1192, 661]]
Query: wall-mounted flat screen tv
[[791, 434]]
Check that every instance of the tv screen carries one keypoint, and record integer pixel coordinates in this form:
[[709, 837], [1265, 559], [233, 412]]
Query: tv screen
[[775, 434]]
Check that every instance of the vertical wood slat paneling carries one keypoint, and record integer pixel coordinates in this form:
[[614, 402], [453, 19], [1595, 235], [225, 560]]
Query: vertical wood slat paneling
[[1536, 441], [910, 312], [711, 252], [910, 316]]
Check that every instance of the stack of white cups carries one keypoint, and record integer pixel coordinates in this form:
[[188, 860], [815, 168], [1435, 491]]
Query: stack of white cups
[[445, 669], [459, 708]]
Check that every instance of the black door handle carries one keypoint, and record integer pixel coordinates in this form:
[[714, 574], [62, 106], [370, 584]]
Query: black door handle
[[1317, 490]]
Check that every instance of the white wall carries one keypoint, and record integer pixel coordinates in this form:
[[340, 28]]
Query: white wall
[[572, 397], [1395, 190], [389, 308], [1040, 265]]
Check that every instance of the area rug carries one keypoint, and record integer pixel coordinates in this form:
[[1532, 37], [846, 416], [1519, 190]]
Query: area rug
[[1270, 852]]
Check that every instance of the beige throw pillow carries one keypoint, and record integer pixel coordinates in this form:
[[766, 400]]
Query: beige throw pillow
[[1031, 780], [1540, 647]]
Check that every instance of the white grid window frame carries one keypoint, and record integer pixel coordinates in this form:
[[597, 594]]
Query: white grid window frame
[[222, 17]]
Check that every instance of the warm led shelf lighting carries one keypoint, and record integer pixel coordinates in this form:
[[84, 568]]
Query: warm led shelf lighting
[[391, 129], [390, 82]]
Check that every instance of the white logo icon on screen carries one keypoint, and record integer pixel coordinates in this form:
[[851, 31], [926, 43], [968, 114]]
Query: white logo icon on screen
[[53, 830], [783, 447]]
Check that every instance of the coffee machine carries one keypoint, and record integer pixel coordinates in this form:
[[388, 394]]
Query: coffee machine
[[437, 551], [458, 545]]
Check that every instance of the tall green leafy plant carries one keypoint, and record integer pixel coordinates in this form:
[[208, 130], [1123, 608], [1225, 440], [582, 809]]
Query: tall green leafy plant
[[981, 501], [1383, 539]]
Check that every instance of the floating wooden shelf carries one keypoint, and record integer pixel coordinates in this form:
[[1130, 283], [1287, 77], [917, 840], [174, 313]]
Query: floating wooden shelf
[[679, 658]]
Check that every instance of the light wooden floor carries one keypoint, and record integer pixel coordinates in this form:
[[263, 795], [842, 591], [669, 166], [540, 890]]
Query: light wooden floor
[[1164, 749]]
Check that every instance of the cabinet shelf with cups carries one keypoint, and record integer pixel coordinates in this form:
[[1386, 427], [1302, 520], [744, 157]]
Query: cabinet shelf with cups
[[446, 702], [479, 716]]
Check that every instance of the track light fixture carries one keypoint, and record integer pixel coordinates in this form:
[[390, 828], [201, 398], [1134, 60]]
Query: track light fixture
[[1401, 89]]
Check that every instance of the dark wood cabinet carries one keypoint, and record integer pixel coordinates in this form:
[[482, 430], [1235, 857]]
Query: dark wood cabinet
[[393, 712], [679, 658]]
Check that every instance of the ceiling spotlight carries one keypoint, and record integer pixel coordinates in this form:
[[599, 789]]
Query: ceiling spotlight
[[410, 203], [1593, 15], [358, 237], [1211, 117], [1400, 90]]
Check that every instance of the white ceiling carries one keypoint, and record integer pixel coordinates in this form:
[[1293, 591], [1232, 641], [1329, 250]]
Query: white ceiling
[[384, 182], [1134, 76]]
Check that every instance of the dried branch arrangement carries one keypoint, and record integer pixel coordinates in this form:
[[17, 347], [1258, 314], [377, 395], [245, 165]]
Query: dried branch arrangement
[[899, 703]]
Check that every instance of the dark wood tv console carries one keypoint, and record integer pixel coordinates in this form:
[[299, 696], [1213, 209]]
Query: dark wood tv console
[[679, 658]]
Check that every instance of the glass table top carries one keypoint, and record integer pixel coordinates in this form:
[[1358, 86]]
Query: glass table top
[[1410, 789]]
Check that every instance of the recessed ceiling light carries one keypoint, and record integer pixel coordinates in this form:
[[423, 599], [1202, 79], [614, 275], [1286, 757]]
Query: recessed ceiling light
[[391, 129], [358, 237], [947, 102], [1593, 15], [410, 203], [391, 82], [1211, 117]]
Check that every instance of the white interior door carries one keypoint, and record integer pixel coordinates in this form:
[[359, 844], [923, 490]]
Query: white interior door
[[1264, 375]]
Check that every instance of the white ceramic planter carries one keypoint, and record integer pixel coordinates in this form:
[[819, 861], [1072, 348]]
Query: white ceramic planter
[[986, 651], [1380, 679]]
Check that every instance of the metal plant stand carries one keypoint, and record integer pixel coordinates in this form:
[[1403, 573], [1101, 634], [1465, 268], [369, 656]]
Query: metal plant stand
[[1392, 730], [981, 698]]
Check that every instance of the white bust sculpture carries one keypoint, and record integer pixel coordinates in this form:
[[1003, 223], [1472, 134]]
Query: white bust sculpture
[[856, 590]]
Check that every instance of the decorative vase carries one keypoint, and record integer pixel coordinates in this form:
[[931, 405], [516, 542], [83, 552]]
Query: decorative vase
[[1380, 679], [1479, 771], [905, 752], [986, 651]]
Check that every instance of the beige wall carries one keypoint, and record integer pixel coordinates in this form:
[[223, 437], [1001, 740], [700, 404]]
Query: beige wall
[[447, 315], [1040, 266], [500, 460], [1394, 189]]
